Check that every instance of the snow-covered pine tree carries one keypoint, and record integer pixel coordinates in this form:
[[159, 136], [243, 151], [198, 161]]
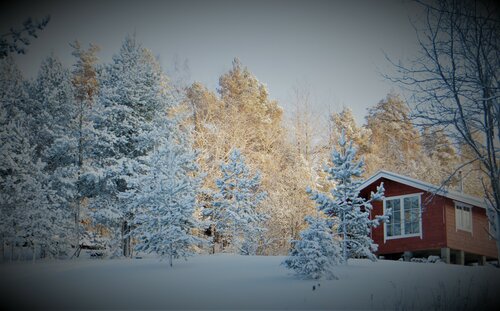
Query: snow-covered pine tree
[[349, 212], [99, 182], [28, 213], [234, 212], [15, 157], [131, 94], [14, 94], [163, 197], [55, 141], [344, 122], [11, 98], [316, 253], [53, 112]]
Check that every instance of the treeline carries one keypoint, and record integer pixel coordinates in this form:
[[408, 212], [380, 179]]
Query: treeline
[[113, 155], [392, 140]]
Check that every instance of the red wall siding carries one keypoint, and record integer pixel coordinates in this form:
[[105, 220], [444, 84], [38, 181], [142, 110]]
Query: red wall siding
[[433, 221]]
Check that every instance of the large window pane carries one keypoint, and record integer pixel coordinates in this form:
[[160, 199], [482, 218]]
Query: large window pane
[[411, 215], [468, 217], [458, 217], [394, 225]]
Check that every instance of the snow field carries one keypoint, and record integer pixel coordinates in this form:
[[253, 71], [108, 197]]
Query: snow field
[[252, 282]]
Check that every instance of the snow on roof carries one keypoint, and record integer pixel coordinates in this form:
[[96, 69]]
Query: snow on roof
[[454, 195]]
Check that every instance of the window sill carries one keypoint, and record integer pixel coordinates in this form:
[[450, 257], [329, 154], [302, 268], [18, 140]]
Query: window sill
[[402, 236], [464, 230]]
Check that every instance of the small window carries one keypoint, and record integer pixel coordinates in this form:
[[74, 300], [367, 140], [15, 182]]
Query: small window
[[463, 217]]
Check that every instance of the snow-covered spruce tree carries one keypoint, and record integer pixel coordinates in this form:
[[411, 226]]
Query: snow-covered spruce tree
[[14, 138], [53, 113], [19, 191], [27, 214], [234, 212], [131, 94], [316, 253], [55, 141], [163, 197], [349, 212], [11, 98]]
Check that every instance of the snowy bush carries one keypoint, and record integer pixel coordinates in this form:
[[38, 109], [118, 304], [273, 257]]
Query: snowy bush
[[417, 259], [316, 253], [430, 259], [434, 259]]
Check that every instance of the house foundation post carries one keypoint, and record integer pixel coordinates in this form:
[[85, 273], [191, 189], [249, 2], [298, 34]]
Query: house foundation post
[[407, 256], [461, 258], [445, 254], [482, 260]]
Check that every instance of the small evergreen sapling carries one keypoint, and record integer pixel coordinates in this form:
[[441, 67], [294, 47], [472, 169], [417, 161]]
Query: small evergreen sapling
[[316, 253], [234, 212], [347, 233], [349, 212]]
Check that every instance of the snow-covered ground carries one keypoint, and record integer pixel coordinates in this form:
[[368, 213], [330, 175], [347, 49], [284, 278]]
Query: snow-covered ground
[[234, 282]]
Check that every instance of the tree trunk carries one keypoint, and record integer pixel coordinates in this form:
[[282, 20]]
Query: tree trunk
[[78, 184], [344, 240], [215, 239], [171, 255], [125, 239], [497, 232], [34, 253], [77, 220], [19, 253]]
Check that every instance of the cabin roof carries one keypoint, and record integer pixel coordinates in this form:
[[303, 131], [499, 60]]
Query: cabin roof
[[439, 190]]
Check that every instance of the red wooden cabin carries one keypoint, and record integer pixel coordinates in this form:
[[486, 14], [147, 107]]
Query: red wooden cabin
[[427, 221]]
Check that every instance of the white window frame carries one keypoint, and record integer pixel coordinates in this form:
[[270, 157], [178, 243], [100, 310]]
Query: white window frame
[[401, 198], [459, 208]]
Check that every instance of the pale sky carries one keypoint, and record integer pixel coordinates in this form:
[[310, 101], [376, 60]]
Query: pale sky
[[333, 48]]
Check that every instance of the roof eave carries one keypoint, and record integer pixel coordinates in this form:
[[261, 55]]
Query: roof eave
[[457, 196]]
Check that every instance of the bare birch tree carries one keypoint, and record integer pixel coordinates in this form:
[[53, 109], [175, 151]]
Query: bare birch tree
[[455, 82]]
